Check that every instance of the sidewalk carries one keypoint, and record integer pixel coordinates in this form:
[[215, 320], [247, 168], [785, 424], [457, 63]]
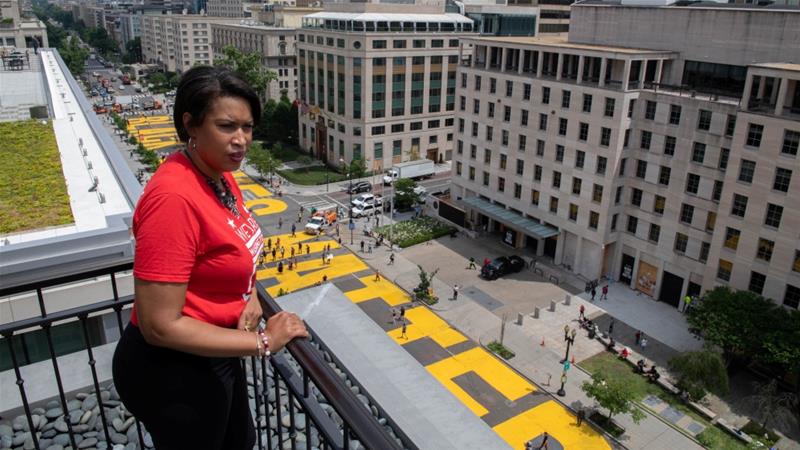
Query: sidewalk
[[536, 362]]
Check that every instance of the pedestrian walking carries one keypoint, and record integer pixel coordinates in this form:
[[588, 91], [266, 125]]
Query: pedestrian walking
[[643, 343], [394, 316], [391, 259], [337, 229], [283, 252], [638, 336], [403, 312], [369, 247], [545, 444], [302, 210], [269, 243], [486, 262], [611, 327], [280, 222], [605, 293], [308, 249], [581, 312], [455, 292], [594, 292], [686, 302], [362, 246], [274, 254], [330, 258], [291, 253], [299, 217], [278, 242], [323, 257], [377, 276], [294, 228], [581, 416], [280, 267], [403, 331], [471, 263]]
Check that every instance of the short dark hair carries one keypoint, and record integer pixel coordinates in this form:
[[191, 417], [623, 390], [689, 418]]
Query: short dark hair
[[200, 86]]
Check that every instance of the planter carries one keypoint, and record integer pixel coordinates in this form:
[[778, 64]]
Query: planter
[[610, 426]]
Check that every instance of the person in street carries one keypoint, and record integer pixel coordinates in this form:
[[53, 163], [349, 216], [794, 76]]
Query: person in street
[[280, 267], [362, 246], [402, 312], [486, 262], [605, 293], [294, 228], [611, 327], [291, 253], [403, 331], [274, 254], [329, 258], [299, 217], [638, 336], [687, 301], [581, 416], [471, 263], [369, 247], [581, 312], [395, 316], [545, 444], [594, 292], [377, 276], [308, 249], [643, 343], [455, 292], [391, 259], [283, 252], [280, 222]]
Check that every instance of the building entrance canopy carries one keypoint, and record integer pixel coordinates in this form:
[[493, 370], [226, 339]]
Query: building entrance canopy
[[511, 218]]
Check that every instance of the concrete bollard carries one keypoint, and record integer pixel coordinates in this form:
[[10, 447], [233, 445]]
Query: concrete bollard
[[519, 318], [567, 299], [552, 306], [535, 312]]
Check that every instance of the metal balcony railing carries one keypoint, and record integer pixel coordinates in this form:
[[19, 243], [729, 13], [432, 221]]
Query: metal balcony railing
[[333, 416]]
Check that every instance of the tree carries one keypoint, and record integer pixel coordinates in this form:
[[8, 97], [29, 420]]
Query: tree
[[773, 405], [614, 395], [262, 160], [358, 168], [305, 161], [133, 51], [699, 372], [404, 196], [74, 56], [249, 66], [423, 290]]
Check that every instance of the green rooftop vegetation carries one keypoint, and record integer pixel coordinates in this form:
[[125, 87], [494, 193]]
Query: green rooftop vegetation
[[33, 193]]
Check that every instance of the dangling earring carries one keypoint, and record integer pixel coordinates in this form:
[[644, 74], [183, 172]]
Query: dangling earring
[[194, 144]]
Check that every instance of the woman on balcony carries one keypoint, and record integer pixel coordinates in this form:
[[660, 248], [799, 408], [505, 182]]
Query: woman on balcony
[[176, 366]]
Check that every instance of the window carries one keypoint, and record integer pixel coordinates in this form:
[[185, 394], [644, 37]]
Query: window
[[681, 240], [523, 140], [507, 114], [705, 248], [503, 161], [746, 171], [633, 223], [583, 131], [476, 107], [489, 133], [526, 91], [597, 193], [490, 108], [537, 173], [520, 166], [711, 220], [542, 122], [458, 168], [379, 44], [576, 185], [724, 270], [501, 184], [557, 180], [587, 103], [594, 219], [554, 205], [562, 126], [655, 232], [739, 205], [724, 156], [650, 110], [622, 163], [460, 147], [517, 190], [565, 98], [627, 138], [614, 222], [730, 125], [415, 126], [669, 145], [509, 88], [674, 114], [757, 281], [658, 204], [605, 136], [636, 197], [602, 162], [545, 95], [535, 197], [573, 212], [580, 157], [618, 195], [487, 156], [704, 120], [377, 131], [539, 147], [774, 214], [560, 153], [492, 85], [398, 128], [463, 81], [754, 133], [471, 173], [664, 173], [504, 138], [687, 213], [647, 136], [437, 43], [716, 194], [631, 107], [692, 183], [609, 107], [731, 238], [698, 152], [792, 296], [641, 169], [485, 178], [765, 248], [477, 82], [783, 177], [791, 141], [523, 119]]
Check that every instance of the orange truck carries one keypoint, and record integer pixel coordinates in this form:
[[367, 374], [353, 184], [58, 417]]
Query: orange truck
[[322, 217]]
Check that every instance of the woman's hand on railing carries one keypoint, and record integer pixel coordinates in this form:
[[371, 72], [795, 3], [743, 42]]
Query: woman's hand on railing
[[282, 328]]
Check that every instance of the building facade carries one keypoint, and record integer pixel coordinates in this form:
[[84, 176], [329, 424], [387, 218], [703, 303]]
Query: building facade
[[377, 83], [659, 162], [225, 8], [275, 45], [179, 41], [19, 31]]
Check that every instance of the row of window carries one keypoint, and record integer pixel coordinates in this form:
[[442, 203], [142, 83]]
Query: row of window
[[579, 161], [791, 296], [379, 43], [704, 117]]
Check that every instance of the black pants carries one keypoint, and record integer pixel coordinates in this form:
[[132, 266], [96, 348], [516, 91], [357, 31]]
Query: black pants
[[185, 401]]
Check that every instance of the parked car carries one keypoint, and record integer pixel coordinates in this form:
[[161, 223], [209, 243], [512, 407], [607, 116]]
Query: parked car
[[364, 210], [502, 265], [358, 187]]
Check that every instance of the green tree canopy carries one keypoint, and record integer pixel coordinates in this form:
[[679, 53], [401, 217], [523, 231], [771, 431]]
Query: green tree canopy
[[612, 394], [74, 56], [133, 51], [249, 66], [699, 372], [262, 159], [358, 168], [404, 196]]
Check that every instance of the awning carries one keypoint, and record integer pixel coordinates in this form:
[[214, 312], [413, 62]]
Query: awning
[[510, 218]]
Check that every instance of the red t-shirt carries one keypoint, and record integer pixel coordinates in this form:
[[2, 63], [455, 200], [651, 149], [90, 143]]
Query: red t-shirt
[[185, 235]]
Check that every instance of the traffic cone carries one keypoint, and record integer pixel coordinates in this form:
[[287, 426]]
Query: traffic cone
[[542, 344]]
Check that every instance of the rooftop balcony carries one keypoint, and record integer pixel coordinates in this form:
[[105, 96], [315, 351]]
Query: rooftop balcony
[[301, 397]]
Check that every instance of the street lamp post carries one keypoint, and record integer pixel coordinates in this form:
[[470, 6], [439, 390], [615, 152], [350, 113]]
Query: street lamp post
[[326, 176], [569, 337], [350, 202]]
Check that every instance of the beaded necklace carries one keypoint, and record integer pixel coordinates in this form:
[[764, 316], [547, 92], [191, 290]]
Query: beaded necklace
[[224, 194]]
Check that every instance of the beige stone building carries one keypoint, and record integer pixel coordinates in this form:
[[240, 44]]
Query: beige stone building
[[378, 83], [648, 146], [18, 31], [179, 41], [225, 8], [275, 45]]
